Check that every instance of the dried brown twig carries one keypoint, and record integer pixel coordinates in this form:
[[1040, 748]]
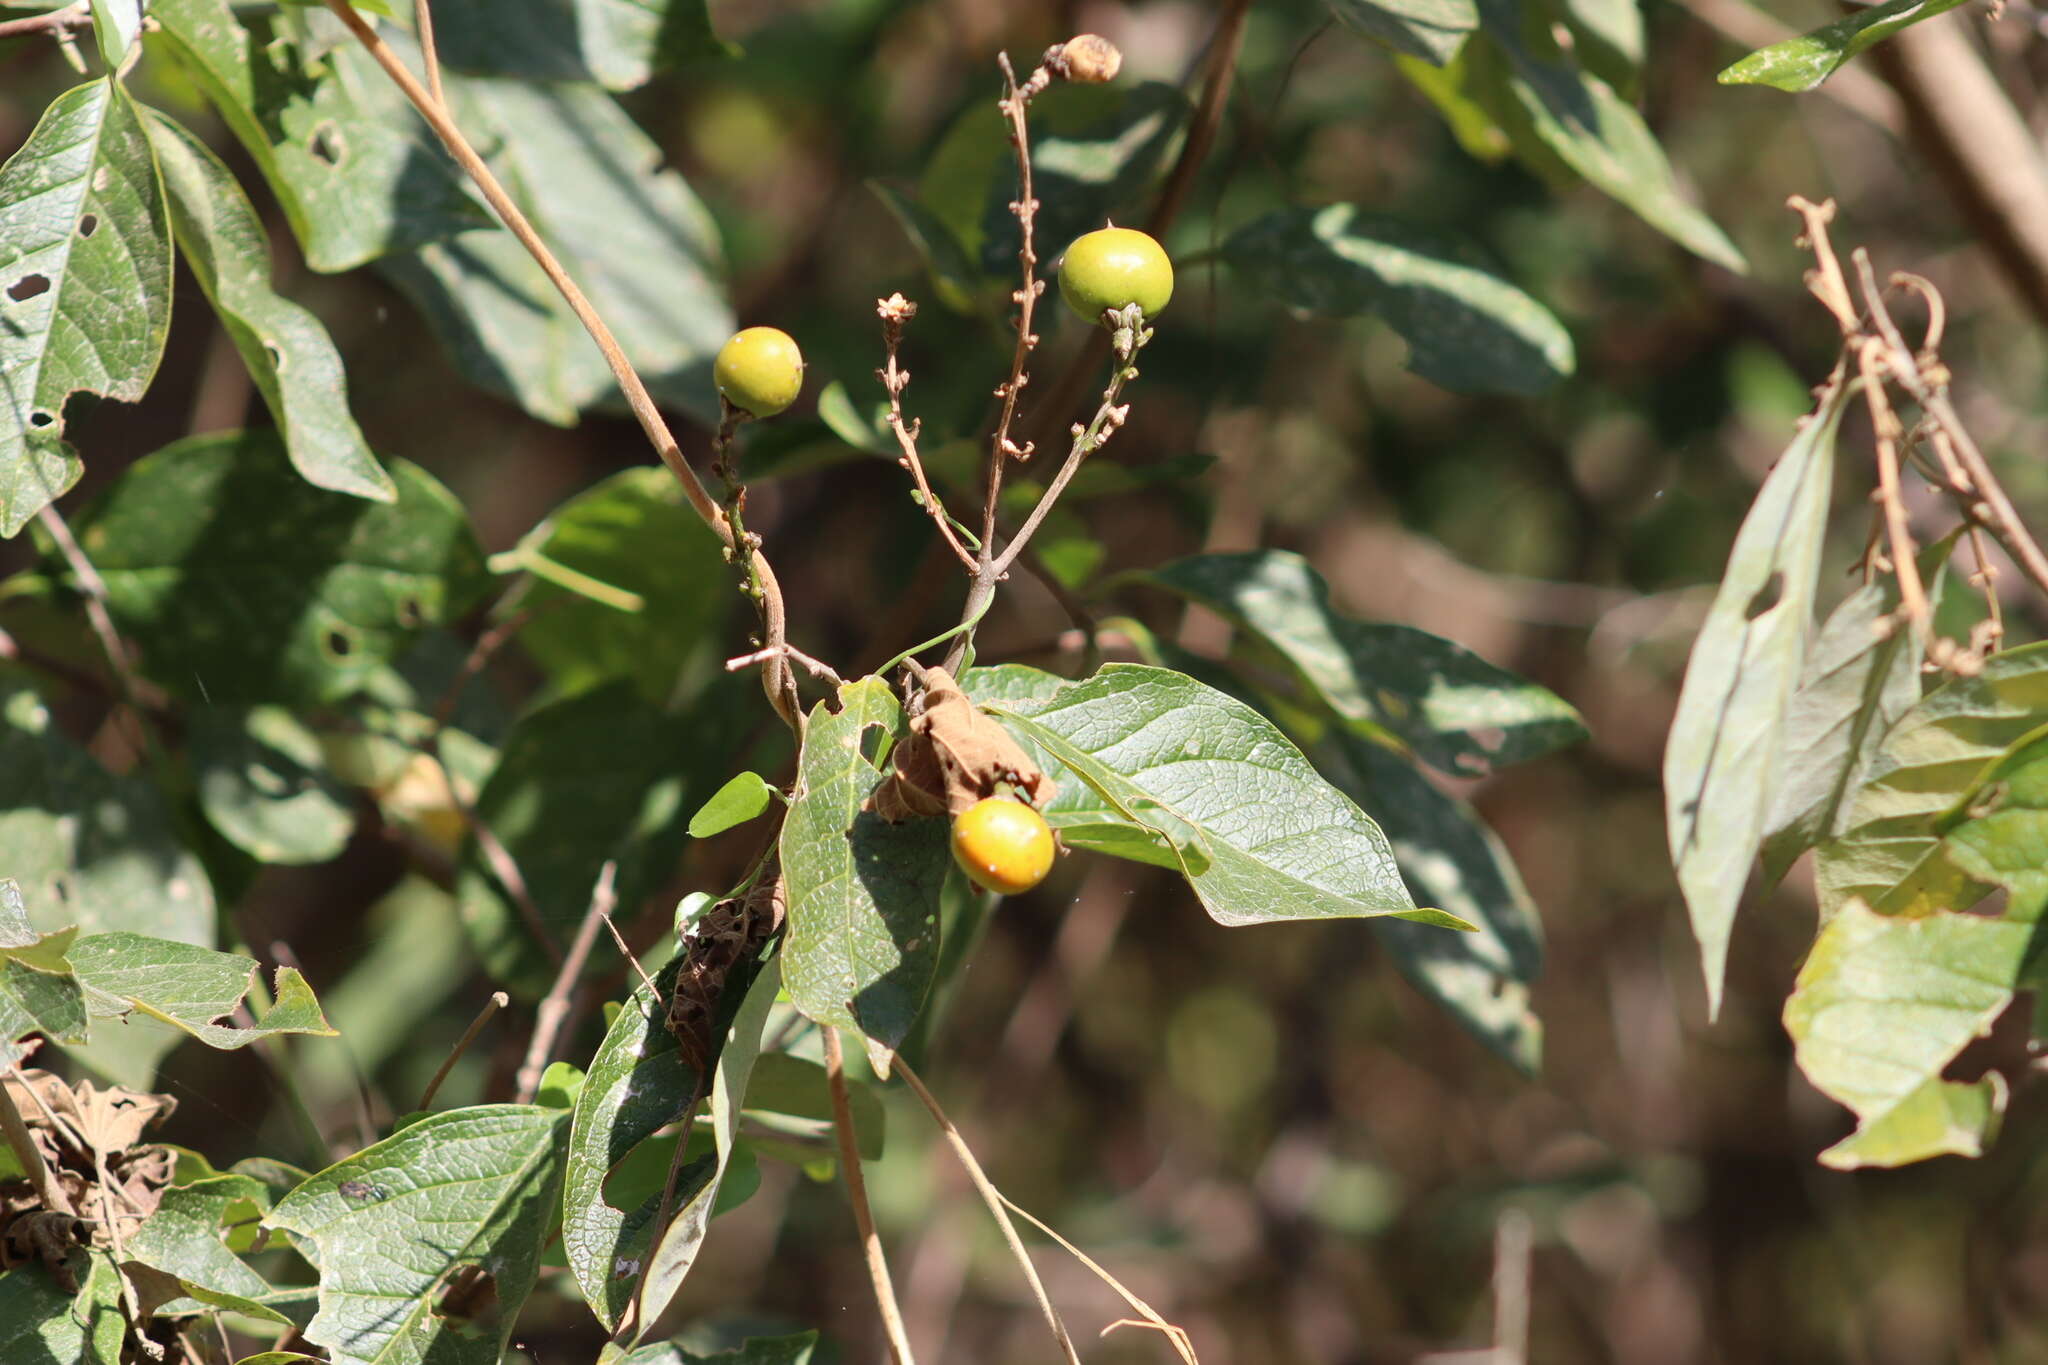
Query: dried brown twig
[[894, 312], [857, 1196], [554, 1010]]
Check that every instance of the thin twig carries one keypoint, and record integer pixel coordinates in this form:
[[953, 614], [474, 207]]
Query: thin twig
[[993, 1197], [1182, 1344], [1223, 51], [547, 1023], [1016, 99], [497, 1002], [57, 21], [815, 667], [480, 654], [857, 1195], [502, 864], [1870, 360], [135, 689], [894, 312], [26, 1153], [430, 57]]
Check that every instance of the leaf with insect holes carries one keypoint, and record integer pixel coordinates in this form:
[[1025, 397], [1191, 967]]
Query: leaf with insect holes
[[189, 987], [1460, 714], [619, 44], [1154, 766], [288, 353], [38, 991], [1433, 30], [1467, 329], [397, 1224], [863, 934], [1802, 63], [85, 284], [241, 583], [1725, 759]]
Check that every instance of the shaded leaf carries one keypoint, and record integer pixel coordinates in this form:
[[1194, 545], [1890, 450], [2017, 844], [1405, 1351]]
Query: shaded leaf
[[1467, 329], [183, 1239], [286, 349], [863, 933], [263, 783], [40, 1324], [953, 275], [1725, 758], [1882, 1006], [85, 284], [793, 1350], [242, 583], [189, 987], [1156, 767], [1458, 712], [634, 236], [617, 43], [787, 1087], [88, 848], [1802, 63], [395, 1223], [1433, 30]]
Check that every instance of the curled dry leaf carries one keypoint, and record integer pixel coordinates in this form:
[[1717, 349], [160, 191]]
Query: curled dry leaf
[[953, 757], [83, 1133], [728, 933]]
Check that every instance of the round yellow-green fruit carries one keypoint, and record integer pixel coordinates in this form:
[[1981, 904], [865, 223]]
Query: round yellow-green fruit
[[759, 371], [1112, 268], [1003, 844]]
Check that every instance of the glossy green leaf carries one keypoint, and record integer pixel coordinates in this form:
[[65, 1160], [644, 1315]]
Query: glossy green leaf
[[243, 584], [678, 1248], [617, 43], [116, 24], [356, 171], [1882, 1006], [1467, 329], [1802, 63], [1159, 768], [1433, 30], [1450, 860], [1579, 119], [634, 236], [189, 987], [738, 801], [264, 784], [85, 284], [1458, 712], [863, 933], [627, 583], [1724, 761], [598, 777], [88, 848], [288, 353], [792, 1350], [1891, 855], [38, 991], [395, 1222]]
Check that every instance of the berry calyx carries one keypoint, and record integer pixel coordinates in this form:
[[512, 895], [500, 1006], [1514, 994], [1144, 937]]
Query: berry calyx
[[759, 371], [1111, 268], [1003, 845]]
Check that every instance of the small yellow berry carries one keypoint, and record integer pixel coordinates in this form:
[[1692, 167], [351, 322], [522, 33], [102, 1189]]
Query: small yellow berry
[[1003, 844], [759, 371]]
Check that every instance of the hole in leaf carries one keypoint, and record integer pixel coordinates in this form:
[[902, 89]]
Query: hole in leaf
[[338, 643], [276, 356], [27, 287], [39, 418], [471, 1295], [411, 614], [327, 145], [1766, 597], [88, 225], [874, 741]]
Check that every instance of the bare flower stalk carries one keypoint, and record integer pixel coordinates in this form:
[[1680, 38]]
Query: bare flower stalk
[[497, 1002], [554, 1010], [857, 1195], [894, 312]]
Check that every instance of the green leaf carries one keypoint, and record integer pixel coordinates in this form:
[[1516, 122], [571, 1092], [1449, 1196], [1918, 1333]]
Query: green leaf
[[1882, 1006], [1861, 674], [1725, 759], [40, 1324], [633, 235], [1467, 329], [356, 172], [617, 43], [1576, 117], [242, 584], [395, 1223], [863, 933], [786, 1087], [188, 987], [38, 991], [1458, 712], [287, 351], [183, 1239], [661, 585], [1433, 30], [85, 284], [601, 776], [116, 24], [959, 286], [794, 1350], [1891, 855], [737, 802], [90, 849], [679, 1246], [263, 783], [1802, 63], [1450, 860], [1156, 767]]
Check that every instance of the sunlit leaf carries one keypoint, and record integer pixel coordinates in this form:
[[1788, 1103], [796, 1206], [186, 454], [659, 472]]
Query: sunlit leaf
[[738, 801], [38, 991], [1802, 63], [189, 987]]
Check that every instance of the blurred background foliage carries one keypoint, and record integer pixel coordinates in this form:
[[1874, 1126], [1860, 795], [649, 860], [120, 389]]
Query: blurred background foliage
[[1270, 1135]]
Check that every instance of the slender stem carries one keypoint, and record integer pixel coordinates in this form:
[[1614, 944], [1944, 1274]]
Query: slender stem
[[857, 1195], [1001, 449], [994, 1199], [1884, 423], [30, 1156], [547, 1024], [136, 690], [1223, 52], [894, 312], [56, 21], [497, 1002], [430, 57]]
